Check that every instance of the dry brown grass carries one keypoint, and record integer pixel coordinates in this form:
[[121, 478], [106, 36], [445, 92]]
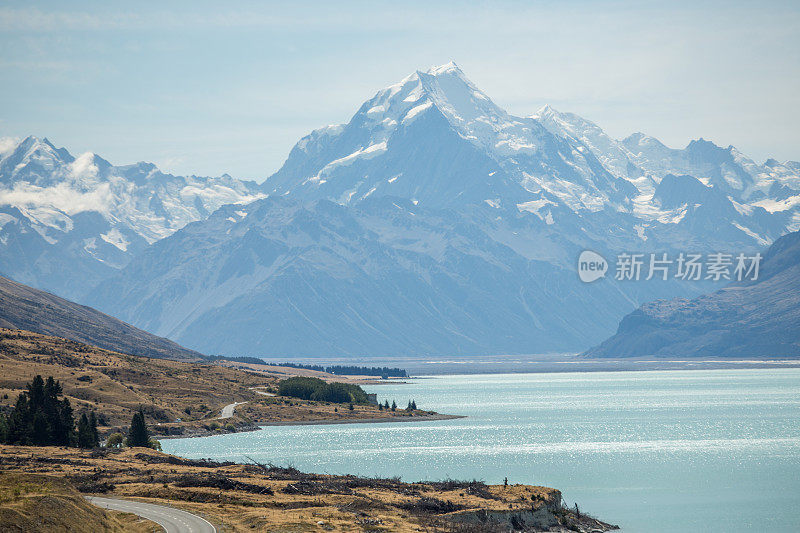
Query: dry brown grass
[[264, 498], [115, 384], [31, 503]]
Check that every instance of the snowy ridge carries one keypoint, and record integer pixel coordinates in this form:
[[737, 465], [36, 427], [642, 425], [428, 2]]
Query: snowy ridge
[[81, 210]]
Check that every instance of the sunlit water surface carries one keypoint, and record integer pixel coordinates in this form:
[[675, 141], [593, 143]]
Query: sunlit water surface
[[714, 450]]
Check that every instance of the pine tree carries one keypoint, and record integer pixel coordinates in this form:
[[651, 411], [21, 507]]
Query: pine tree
[[380, 407], [3, 429], [19, 427], [59, 414], [87, 431], [138, 435], [84, 439], [95, 436], [386, 404], [408, 407], [36, 391], [413, 405], [394, 405], [40, 434]]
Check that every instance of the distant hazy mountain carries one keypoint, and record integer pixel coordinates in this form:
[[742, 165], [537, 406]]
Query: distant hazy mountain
[[435, 222], [759, 318], [67, 222], [22, 307]]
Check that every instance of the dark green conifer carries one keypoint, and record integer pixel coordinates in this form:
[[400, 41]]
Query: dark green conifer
[[40, 417], [138, 435]]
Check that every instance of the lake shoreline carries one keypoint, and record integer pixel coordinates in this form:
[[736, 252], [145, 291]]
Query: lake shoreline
[[427, 418], [630, 447], [256, 496]]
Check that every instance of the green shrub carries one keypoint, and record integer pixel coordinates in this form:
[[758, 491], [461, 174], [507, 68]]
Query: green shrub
[[115, 440]]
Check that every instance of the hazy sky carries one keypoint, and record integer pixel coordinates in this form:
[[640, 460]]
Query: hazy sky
[[208, 88]]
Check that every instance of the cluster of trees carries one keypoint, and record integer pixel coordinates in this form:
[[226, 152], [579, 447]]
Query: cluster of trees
[[238, 359], [41, 418], [318, 368], [383, 371], [350, 370], [322, 391], [412, 405]]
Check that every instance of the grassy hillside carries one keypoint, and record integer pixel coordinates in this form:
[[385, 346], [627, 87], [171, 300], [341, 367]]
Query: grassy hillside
[[33, 503], [114, 385], [23, 307], [269, 498]]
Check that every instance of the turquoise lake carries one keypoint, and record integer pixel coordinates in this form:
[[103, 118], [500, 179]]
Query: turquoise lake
[[703, 450]]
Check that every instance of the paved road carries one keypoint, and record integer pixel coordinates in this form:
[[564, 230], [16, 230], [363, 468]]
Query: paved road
[[172, 520], [227, 411]]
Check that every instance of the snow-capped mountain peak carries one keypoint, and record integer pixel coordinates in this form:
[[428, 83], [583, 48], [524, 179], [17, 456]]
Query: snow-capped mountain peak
[[448, 68], [436, 114], [436, 139]]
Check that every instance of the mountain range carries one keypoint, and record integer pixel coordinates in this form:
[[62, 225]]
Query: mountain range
[[432, 222], [68, 222]]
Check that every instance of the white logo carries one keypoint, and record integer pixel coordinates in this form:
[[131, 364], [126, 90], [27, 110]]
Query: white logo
[[591, 266]]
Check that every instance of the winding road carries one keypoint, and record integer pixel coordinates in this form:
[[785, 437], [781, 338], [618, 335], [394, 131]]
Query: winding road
[[227, 411], [172, 520]]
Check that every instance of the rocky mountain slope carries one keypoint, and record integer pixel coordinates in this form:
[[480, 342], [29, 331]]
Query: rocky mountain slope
[[279, 277], [759, 318], [23, 307]]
